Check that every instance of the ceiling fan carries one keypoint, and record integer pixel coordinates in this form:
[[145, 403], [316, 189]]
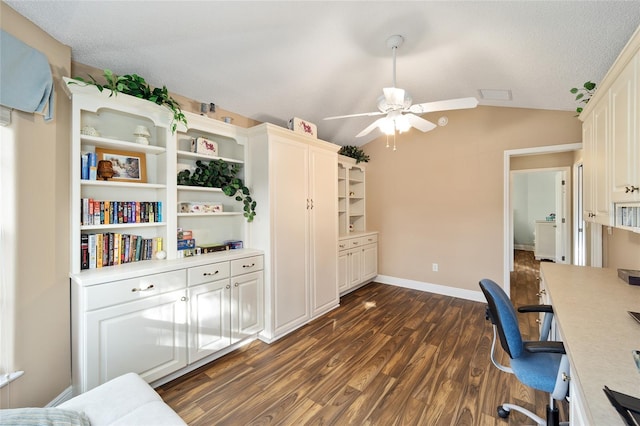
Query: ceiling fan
[[395, 103]]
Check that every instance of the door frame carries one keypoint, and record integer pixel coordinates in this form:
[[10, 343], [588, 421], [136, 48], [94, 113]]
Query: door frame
[[506, 215]]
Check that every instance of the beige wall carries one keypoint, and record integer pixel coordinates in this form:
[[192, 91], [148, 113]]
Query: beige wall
[[439, 197], [35, 260]]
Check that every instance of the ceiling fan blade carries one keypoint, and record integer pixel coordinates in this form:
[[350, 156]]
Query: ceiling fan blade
[[420, 123], [370, 127], [363, 114], [460, 103]]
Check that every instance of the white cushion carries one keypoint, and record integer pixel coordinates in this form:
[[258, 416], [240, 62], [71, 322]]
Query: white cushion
[[125, 400]]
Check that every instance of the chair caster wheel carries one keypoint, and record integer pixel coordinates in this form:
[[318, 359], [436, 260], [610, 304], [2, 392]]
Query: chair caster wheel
[[502, 413]]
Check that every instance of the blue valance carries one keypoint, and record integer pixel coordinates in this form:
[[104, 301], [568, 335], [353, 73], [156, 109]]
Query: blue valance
[[26, 82]]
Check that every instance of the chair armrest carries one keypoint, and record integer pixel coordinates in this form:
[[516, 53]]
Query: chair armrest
[[546, 347], [536, 308]]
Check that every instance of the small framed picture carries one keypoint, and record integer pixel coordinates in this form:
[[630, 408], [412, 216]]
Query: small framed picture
[[127, 166]]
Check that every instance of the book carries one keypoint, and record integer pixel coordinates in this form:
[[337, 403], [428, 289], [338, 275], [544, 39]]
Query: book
[[93, 166], [84, 166], [92, 251], [186, 244], [84, 251], [99, 250]]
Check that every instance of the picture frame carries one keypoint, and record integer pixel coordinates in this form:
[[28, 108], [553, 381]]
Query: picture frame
[[128, 166]]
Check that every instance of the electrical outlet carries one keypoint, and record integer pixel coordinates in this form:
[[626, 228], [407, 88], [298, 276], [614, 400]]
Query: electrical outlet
[[434, 267]]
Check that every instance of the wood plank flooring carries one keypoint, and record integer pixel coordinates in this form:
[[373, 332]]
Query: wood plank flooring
[[386, 356]]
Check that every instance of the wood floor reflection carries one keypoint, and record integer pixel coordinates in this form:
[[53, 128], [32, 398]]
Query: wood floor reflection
[[386, 356]]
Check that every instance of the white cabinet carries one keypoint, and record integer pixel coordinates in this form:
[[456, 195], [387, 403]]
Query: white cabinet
[[210, 227], [611, 140], [295, 183], [351, 196], [224, 310], [357, 261], [545, 240], [158, 321], [625, 145]]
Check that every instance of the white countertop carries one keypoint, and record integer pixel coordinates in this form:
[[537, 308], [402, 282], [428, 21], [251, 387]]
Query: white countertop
[[590, 306]]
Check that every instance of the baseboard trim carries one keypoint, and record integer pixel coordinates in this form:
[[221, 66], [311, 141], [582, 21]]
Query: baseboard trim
[[525, 247], [475, 296], [66, 395]]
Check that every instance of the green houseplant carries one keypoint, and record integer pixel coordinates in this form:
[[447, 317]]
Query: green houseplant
[[223, 175], [354, 152], [583, 94], [134, 85]]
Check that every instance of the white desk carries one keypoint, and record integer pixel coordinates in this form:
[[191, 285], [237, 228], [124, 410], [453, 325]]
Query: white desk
[[590, 307]]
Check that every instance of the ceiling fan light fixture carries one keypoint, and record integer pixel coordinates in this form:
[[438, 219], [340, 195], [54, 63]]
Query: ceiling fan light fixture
[[402, 123], [387, 127]]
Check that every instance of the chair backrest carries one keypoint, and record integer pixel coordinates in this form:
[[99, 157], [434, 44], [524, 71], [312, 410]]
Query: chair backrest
[[503, 315]]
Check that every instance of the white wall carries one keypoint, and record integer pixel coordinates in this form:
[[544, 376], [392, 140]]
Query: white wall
[[533, 199]]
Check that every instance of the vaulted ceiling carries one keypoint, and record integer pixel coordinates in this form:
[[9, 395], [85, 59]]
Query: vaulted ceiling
[[271, 61]]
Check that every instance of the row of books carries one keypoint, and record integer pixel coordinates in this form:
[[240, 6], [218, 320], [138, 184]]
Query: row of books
[[109, 249], [89, 166], [630, 216], [97, 212]]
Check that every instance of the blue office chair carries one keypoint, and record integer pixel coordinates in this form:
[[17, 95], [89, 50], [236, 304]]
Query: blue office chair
[[542, 365]]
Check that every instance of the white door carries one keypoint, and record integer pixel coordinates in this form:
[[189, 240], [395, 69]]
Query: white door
[[343, 271], [148, 337], [355, 266], [209, 326], [369, 261], [290, 236], [247, 302], [323, 229]]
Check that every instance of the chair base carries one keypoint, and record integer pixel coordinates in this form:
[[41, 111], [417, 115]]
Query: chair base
[[552, 414]]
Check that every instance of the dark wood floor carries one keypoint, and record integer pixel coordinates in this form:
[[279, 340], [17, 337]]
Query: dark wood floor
[[386, 356]]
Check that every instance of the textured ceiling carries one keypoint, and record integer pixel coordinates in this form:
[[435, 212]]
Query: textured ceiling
[[271, 61]]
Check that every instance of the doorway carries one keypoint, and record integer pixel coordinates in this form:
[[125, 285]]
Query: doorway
[[540, 200], [507, 216]]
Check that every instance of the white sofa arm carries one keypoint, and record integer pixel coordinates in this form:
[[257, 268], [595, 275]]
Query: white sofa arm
[[125, 400]]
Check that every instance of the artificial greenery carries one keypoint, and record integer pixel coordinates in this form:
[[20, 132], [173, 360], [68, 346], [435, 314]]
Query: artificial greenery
[[134, 85], [220, 174], [354, 152], [583, 94]]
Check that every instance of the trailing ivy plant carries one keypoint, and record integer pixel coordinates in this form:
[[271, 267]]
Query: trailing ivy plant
[[354, 152], [223, 175], [134, 85], [583, 94]]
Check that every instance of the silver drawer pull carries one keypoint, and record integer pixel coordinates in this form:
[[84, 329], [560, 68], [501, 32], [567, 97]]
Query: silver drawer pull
[[341, 245], [208, 274], [147, 288], [355, 243], [249, 266], [370, 239]]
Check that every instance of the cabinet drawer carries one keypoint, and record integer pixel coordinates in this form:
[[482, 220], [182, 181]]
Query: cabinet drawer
[[116, 292], [246, 265], [370, 239], [354, 242], [208, 273]]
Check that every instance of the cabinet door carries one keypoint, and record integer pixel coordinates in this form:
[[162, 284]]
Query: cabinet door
[[625, 157], [147, 337], [247, 305], [600, 151], [369, 261], [209, 325], [355, 267], [589, 210], [290, 245], [323, 230], [343, 271]]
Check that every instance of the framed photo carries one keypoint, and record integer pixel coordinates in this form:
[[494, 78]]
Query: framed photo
[[127, 166]]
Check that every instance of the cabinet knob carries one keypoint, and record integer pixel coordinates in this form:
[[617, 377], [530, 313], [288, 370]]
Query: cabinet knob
[[207, 274], [249, 266], [184, 299], [227, 286], [147, 288], [236, 285]]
